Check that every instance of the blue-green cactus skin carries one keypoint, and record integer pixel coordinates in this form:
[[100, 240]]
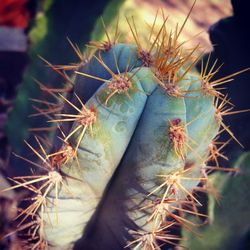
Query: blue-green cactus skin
[[139, 126]]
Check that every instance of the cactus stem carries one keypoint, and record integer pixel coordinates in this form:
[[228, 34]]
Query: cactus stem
[[181, 164]]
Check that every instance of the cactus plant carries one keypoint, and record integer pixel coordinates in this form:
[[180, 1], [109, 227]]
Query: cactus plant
[[134, 138]]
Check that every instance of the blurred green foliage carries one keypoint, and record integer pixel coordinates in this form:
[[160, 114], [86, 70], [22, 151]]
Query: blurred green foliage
[[230, 218]]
